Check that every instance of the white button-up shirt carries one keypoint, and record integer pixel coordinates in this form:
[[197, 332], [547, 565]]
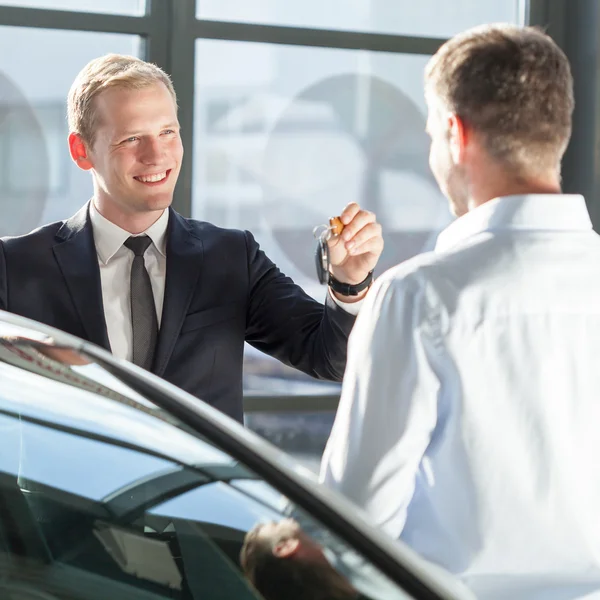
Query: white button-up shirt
[[469, 422], [115, 262]]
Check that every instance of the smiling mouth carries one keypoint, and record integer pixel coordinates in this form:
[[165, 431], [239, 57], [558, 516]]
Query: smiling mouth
[[155, 179]]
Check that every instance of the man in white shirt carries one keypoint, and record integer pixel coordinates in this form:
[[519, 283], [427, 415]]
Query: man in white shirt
[[469, 417], [174, 295]]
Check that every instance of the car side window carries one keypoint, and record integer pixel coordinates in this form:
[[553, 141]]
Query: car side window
[[102, 496], [76, 518]]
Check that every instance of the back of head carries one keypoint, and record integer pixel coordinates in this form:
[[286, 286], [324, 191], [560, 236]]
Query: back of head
[[111, 70], [513, 86], [289, 578]]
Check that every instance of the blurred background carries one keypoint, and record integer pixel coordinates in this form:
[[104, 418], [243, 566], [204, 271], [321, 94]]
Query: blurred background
[[290, 109]]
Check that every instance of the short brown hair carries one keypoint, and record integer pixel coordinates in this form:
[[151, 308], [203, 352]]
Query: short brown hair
[[111, 70], [513, 85], [255, 550], [289, 578]]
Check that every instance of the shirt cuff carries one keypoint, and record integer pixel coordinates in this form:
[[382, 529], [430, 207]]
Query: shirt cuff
[[351, 308]]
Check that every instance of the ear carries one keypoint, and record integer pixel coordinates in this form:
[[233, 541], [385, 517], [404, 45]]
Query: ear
[[459, 138], [79, 152], [286, 548]]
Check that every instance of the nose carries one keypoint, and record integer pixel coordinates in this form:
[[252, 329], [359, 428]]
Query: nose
[[152, 151]]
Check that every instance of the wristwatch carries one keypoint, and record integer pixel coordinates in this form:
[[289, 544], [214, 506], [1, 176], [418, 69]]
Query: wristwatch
[[347, 289]]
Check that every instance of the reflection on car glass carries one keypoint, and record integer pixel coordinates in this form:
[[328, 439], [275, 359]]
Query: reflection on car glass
[[280, 556], [99, 374], [140, 555], [162, 487], [10, 331], [71, 367], [166, 531], [39, 387], [262, 492], [216, 503], [73, 461], [280, 559], [207, 556]]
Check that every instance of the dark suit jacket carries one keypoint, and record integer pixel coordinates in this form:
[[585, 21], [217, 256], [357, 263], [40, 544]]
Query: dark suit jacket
[[220, 290]]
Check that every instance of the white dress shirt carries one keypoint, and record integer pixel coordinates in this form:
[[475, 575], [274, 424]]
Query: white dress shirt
[[469, 422], [115, 262]]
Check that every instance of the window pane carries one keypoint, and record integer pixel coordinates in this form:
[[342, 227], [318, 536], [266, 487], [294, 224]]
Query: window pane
[[123, 7], [435, 18], [47, 387], [38, 181], [286, 136], [41, 457]]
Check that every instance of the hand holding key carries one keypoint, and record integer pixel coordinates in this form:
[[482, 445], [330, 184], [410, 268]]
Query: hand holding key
[[349, 252]]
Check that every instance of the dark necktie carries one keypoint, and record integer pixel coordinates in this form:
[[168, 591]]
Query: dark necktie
[[143, 310]]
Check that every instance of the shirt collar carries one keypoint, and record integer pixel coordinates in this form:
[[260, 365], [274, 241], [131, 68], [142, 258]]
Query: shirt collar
[[109, 237], [532, 212]]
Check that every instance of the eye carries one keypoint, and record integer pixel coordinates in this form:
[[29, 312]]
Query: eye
[[169, 131], [133, 138]]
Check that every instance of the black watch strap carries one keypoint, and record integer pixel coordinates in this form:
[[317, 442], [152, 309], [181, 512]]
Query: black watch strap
[[347, 289]]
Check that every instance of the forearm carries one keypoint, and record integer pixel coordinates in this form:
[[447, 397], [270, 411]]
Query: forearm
[[387, 409], [308, 336]]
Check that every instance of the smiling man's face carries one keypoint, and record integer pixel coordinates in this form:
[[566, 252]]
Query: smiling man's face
[[137, 151]]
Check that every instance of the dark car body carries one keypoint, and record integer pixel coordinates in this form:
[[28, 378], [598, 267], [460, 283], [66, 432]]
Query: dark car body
[[115, 484]]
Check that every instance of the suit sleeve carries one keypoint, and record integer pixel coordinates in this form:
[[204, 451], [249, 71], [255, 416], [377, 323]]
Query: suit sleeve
[[286, 323], [3, 281], [388, 406]]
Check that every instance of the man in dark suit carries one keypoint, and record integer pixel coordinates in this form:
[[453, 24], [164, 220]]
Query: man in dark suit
[[174, 295]]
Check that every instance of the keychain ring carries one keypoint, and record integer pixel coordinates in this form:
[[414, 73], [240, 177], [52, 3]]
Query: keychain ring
[[323, 233]]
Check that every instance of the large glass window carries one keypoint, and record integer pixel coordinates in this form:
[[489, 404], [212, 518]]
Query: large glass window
[[38, 181], [435, 18], [123, 7], [286, 136]]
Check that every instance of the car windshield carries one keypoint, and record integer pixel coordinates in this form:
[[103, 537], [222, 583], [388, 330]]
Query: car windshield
[[102, 492]]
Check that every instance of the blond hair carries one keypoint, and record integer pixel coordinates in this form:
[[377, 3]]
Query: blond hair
[[111, 70], [513, 85]]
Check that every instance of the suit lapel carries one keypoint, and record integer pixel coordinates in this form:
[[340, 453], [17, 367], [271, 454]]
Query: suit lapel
[[184, 263], [77, 258]]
